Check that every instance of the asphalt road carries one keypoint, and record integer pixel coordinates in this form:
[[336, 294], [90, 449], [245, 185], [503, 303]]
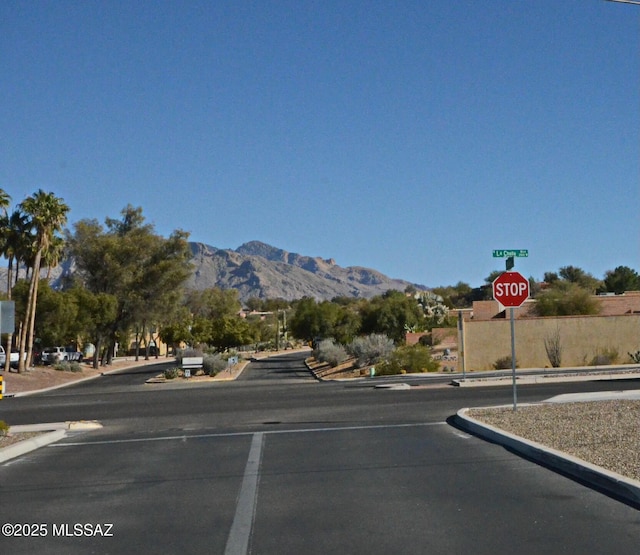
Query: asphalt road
[[277, 463]]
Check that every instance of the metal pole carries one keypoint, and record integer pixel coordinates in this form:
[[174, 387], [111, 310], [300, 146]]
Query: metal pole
[[513, 360], [461, 357]]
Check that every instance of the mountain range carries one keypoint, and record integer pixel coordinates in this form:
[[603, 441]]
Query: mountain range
[[256, 269]]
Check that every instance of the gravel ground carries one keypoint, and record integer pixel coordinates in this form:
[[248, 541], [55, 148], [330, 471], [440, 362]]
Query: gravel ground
[[604, 433], [10, 439]]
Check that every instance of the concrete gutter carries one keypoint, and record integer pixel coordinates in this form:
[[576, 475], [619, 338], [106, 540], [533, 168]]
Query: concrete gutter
[[613, 484], [545, 378], [47, 433]]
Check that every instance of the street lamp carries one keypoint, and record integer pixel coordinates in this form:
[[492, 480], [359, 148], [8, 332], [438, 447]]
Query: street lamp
[[626, 2]]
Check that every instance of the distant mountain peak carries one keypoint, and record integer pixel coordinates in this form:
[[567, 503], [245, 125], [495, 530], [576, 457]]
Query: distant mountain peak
[[256, 269], [258, 248]]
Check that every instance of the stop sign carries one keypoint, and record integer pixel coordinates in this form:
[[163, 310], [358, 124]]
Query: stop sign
[[511, 289]]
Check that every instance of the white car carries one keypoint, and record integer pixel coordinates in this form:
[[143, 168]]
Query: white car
[[14, 358], [52, 355]]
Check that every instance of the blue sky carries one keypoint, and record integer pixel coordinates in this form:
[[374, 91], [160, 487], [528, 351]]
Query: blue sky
[[413, 137]]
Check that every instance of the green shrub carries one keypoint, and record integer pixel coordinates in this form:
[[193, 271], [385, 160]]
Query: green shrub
[[408, 359], [565, 299], [171, 373], [4, 428]]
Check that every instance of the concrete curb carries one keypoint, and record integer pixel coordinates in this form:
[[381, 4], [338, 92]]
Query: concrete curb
[[48, 433], [613, 484], [226, 375], [542, 379]]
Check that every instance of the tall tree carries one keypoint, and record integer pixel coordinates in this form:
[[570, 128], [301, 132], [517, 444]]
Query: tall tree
[[96, 313], [576, 275], [620, 280], [128, 261], [47, 216], [392, 314], [5, 200], [18, 242]]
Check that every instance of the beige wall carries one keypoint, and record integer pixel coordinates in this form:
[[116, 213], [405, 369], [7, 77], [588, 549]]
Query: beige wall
[[581, 338]]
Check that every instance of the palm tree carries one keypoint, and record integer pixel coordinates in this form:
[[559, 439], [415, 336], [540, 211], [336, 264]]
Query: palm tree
[[5, 201], [16, 240], [47, 215], [51, 257], [18, 249]]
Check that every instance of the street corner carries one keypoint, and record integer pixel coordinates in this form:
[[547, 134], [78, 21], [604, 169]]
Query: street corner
[[33, 436], [608, 482], [34, 440], [83, 425]]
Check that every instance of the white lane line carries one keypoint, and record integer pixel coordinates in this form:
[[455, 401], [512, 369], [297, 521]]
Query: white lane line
[[240, 534], [184, 437]]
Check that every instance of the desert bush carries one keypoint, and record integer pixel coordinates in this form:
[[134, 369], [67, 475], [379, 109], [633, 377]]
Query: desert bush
[[604, 357], [503, 363], [553, 347], [213, 364], [329, 351], [370, 349], [4, 428], [408, 359], [565, 299], [635, 357], [67, 366]]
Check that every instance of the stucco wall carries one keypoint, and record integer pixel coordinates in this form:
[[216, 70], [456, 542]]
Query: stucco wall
[[581, 339]]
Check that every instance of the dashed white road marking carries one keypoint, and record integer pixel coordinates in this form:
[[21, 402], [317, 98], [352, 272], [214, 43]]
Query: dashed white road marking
[[240, 533]]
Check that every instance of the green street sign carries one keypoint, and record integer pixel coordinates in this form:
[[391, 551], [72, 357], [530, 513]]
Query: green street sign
[[519, 253]]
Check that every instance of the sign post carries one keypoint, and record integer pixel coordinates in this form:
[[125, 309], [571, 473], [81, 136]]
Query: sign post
[[510, 254], [511, 289]]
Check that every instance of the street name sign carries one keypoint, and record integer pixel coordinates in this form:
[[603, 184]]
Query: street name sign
[[507, 253], [511, 289]]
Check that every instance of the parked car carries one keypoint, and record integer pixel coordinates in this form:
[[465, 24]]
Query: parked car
[[51, 355], [13, 358]]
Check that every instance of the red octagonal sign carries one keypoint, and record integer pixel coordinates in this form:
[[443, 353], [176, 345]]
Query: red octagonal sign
[[511, 289]]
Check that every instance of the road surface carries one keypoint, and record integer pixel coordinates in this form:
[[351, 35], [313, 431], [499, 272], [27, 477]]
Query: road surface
[[289, 466]]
